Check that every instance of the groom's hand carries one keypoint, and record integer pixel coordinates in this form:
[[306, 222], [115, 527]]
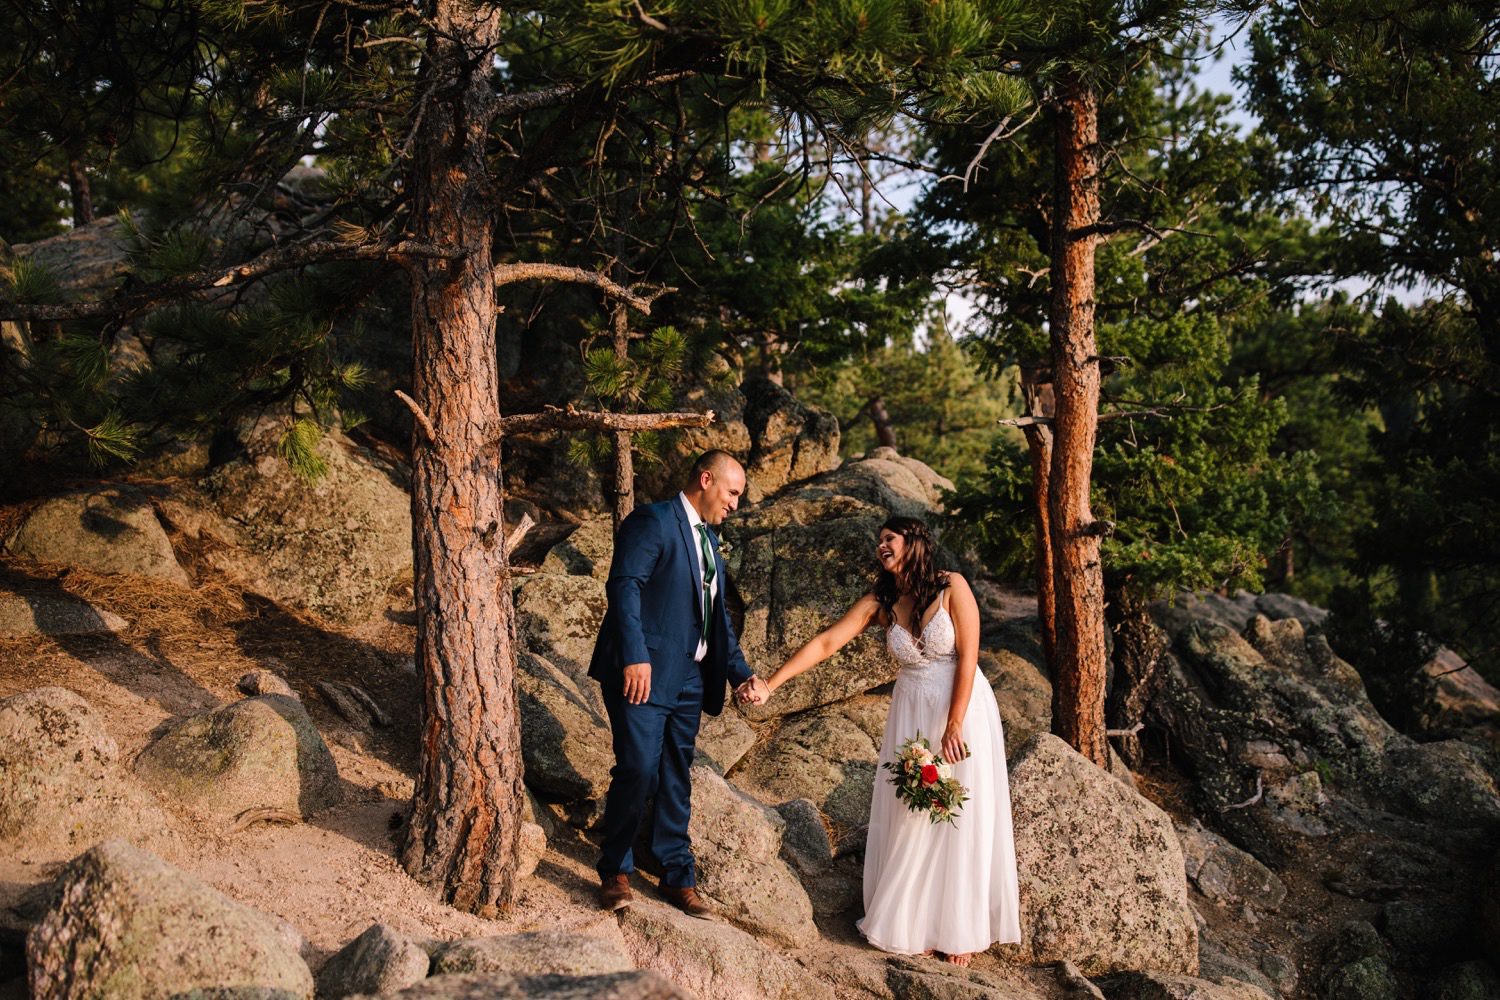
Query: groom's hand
[[637, 683], [755, 691]]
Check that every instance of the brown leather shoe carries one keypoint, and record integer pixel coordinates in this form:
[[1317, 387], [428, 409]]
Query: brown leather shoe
[[614, 892], [688, 901]]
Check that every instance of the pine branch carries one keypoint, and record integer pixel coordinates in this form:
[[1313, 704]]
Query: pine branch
[[132, 302], [507, 274], [550, 97], [1134, 226]]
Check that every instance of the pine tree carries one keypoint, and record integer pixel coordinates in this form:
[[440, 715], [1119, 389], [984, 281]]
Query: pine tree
[[1399, 155], [430, 119], [1183, 490]]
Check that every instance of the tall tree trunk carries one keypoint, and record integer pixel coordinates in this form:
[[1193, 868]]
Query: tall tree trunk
[[624, 457], [1079, 667], [80, 190], [1039, 403], [885, 434], [1139, 644], [463, 836]]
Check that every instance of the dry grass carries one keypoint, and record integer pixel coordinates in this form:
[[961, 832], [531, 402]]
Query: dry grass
[[162, 608]]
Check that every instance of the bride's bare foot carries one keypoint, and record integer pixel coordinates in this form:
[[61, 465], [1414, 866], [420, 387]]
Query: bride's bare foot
[[929, 953], [962, 961]]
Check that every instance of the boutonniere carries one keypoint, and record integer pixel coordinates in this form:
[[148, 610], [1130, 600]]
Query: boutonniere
[[724, 549]]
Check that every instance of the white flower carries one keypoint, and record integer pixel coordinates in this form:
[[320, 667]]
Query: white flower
[[945, 770]]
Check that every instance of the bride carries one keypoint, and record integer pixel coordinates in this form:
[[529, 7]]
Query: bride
[[930, 888]]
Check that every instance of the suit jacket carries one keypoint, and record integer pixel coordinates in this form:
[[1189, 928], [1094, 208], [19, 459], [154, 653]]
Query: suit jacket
[[653, 610]]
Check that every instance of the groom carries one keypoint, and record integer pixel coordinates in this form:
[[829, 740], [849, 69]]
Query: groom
[[664, 651]]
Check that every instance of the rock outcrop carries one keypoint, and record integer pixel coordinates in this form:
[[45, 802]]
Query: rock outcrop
[[565, 741], [381, 960], [712, 959], [332, 546], [1101, 872], [504, 986], [112, 529], [789, 440], [564, 953], [558, 618], [62, 786], [124, 924], [262, 753], [737, 842], [822, 755]]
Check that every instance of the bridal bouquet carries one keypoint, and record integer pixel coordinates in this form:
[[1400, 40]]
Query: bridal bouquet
[[925, 782]]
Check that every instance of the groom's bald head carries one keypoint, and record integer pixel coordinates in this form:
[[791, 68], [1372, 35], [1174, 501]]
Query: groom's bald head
[[715, 486], [715, 462]]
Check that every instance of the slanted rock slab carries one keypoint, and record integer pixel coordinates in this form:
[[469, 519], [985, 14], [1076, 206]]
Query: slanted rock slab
[[566, 953], [565, 741], [125, 925], [821, 755], [502, 986], [737, 844], [713, 959], [40, 614], [110, 530], [1226, 874], [585, 552], [1162, 986], [725, 737], [558, 618], [333, 545], [259, 753], [909, 979], [1101, 873]]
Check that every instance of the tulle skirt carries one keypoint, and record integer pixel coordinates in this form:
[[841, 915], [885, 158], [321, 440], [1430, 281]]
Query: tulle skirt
[[949, 888]]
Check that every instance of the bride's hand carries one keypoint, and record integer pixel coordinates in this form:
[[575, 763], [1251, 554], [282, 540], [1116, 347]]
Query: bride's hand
[[953, 743]]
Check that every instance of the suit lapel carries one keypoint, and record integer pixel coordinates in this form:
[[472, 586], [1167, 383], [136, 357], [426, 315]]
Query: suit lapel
[[695, 585]]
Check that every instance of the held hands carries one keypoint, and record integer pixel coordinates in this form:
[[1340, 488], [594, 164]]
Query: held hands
[[637, 683], [755, 691], [954, 748]]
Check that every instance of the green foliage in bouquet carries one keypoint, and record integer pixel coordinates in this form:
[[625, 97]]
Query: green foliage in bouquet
[[925, 782]]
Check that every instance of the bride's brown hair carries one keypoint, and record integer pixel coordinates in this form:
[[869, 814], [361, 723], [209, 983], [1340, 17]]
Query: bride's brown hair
[[917, 575]]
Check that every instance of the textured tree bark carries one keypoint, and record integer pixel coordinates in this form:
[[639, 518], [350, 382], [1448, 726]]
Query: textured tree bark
[[1079, 665], [463, 835], [81, 191], [1139, 644], [885, 434], [623, 454], [1039, 403]]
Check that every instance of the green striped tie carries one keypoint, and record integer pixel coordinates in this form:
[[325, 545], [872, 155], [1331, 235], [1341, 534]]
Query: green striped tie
[[708, 577]]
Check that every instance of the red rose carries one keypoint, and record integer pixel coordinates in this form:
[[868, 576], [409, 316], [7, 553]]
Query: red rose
[[929, 774]]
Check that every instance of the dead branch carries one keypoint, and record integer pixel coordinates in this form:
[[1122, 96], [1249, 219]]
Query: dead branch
[[127, 303], [1133, 730], [555, 419], [513, 540], [506, 274], [1260, 790], [998, 133], [423, 421], [263, 814]]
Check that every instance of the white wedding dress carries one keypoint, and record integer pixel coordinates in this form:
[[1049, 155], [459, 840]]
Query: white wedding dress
[[934, 886]]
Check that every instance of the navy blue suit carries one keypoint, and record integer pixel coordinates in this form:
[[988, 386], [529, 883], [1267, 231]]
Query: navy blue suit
[[653, 618]]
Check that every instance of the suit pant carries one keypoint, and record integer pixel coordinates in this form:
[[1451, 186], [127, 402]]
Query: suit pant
[[654, 747]]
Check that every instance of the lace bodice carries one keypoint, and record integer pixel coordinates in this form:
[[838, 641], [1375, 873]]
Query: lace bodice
[[934, 645]]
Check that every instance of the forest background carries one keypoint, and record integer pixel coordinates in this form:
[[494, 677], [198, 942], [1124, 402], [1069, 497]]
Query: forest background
[[689, 196]]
